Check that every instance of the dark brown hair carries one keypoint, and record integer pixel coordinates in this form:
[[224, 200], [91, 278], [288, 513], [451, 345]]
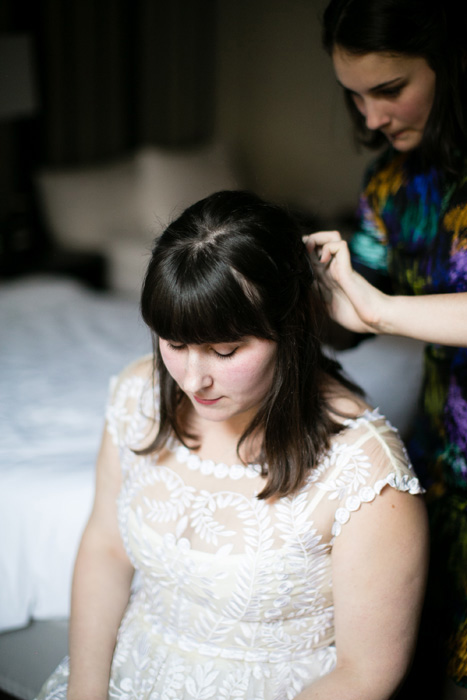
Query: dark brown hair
[[231, 266]]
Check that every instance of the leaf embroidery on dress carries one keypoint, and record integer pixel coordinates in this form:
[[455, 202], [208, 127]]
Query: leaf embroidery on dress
[[234, 598]]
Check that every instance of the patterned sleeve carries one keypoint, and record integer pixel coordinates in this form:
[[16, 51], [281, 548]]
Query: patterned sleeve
[[365, 458], [454, 230], [368, 245], [368, 242]]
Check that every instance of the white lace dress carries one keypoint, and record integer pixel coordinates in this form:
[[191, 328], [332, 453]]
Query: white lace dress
[[232, 596]]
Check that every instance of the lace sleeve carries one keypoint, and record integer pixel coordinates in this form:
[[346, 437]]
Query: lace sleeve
[[363, 459]]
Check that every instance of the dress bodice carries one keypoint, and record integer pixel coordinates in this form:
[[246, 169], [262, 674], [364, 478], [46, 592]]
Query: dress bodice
[[225, 574], [233, 594]]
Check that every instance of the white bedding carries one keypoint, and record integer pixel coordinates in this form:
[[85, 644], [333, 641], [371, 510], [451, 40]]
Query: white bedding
[[60, 344]]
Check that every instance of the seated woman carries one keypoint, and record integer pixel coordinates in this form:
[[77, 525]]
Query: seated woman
[[271, 515]]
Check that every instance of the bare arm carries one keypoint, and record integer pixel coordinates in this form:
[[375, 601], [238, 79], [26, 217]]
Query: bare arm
[[379, 573], [360, 307], [435, 318], [101, 586]]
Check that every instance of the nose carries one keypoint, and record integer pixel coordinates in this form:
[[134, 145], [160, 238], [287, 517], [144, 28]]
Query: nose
[[197, 372], [375, 113]]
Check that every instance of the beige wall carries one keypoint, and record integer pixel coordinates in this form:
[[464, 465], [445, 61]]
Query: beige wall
[[280, 106]]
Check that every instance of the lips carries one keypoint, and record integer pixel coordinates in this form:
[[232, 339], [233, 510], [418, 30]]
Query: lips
[[206, 402], [396, 135]]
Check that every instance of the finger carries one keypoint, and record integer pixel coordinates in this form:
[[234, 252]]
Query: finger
[[332, 248], [309, 242], [320, 238]]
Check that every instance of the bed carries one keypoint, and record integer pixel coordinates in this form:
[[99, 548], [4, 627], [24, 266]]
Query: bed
[[61, 343]]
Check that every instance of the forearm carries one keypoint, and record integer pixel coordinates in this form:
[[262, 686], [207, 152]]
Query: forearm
[[359, 306], [348, 684], [101, 587], [434, 318]]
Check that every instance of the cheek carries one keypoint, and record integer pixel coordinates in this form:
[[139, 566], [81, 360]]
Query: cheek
[[239, 377], [416, 113], [172, 363], [252, 377], [417, 109]]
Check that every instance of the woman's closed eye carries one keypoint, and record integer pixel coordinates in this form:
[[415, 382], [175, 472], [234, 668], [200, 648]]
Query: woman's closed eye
[[225, 355], [175, 346], [394, 91], [220, 350], [389, 92]]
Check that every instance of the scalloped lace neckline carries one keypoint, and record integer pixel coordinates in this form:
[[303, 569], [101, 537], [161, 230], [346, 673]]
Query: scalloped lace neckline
[[208, 467], [220, 470]]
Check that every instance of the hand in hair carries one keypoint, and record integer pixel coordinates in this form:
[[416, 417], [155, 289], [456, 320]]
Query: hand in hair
[[358, 306], [352, 301]]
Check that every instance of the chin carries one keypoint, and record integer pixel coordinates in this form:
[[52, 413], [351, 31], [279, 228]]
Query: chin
[[408, 144], [406, 148]]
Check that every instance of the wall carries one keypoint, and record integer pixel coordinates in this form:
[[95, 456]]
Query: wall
[[281, 108]]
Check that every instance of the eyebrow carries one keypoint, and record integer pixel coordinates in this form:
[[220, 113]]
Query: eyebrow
[[379, 87], [388, 83]]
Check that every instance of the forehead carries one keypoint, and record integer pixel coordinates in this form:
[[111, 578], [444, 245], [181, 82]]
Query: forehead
[[364, 72]]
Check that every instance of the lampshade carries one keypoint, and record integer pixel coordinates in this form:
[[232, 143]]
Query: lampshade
[[17, 90]]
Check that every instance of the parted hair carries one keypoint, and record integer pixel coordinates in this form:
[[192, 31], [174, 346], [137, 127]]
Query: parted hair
[[432, 29], [233, 265]]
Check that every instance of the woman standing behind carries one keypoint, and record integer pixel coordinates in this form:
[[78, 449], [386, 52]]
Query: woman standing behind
[[402, 65]]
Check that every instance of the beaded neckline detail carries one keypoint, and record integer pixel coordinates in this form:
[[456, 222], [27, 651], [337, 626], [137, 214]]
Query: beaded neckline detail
[[217, 469]]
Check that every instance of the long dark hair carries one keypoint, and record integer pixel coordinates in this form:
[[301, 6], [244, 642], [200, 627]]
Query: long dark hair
[[435, 30], [231, 266]]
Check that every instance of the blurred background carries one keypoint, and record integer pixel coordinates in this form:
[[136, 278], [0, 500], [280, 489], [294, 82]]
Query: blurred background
[[93, 92]]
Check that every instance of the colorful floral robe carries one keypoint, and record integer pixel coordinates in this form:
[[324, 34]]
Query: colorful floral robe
[[413, 235]]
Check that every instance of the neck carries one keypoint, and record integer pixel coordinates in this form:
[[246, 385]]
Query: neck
[[219, 440]]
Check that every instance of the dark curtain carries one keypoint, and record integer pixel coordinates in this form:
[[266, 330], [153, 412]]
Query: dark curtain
[[116, 74], [111, 75], [120, 73]]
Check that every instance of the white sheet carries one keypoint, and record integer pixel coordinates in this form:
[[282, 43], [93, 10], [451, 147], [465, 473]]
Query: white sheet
[[389, 369], [59, 346]]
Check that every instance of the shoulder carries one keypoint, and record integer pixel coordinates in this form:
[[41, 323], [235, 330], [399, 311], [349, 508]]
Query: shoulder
[[133, 400], [345, 404], [137, 373], [385, 166], [371, 435], [454, 226], [456, 186], [141, 367], [367, 432]]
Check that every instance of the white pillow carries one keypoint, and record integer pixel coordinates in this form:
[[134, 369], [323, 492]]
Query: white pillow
[[128, 260], [85, 208], [171, 180], [130, 199]]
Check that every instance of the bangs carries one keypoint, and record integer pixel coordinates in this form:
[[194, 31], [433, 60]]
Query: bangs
[[206, 301]]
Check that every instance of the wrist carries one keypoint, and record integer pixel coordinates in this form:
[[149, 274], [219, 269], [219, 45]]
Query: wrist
[[385, 320], [85, 694], [85, 689]]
